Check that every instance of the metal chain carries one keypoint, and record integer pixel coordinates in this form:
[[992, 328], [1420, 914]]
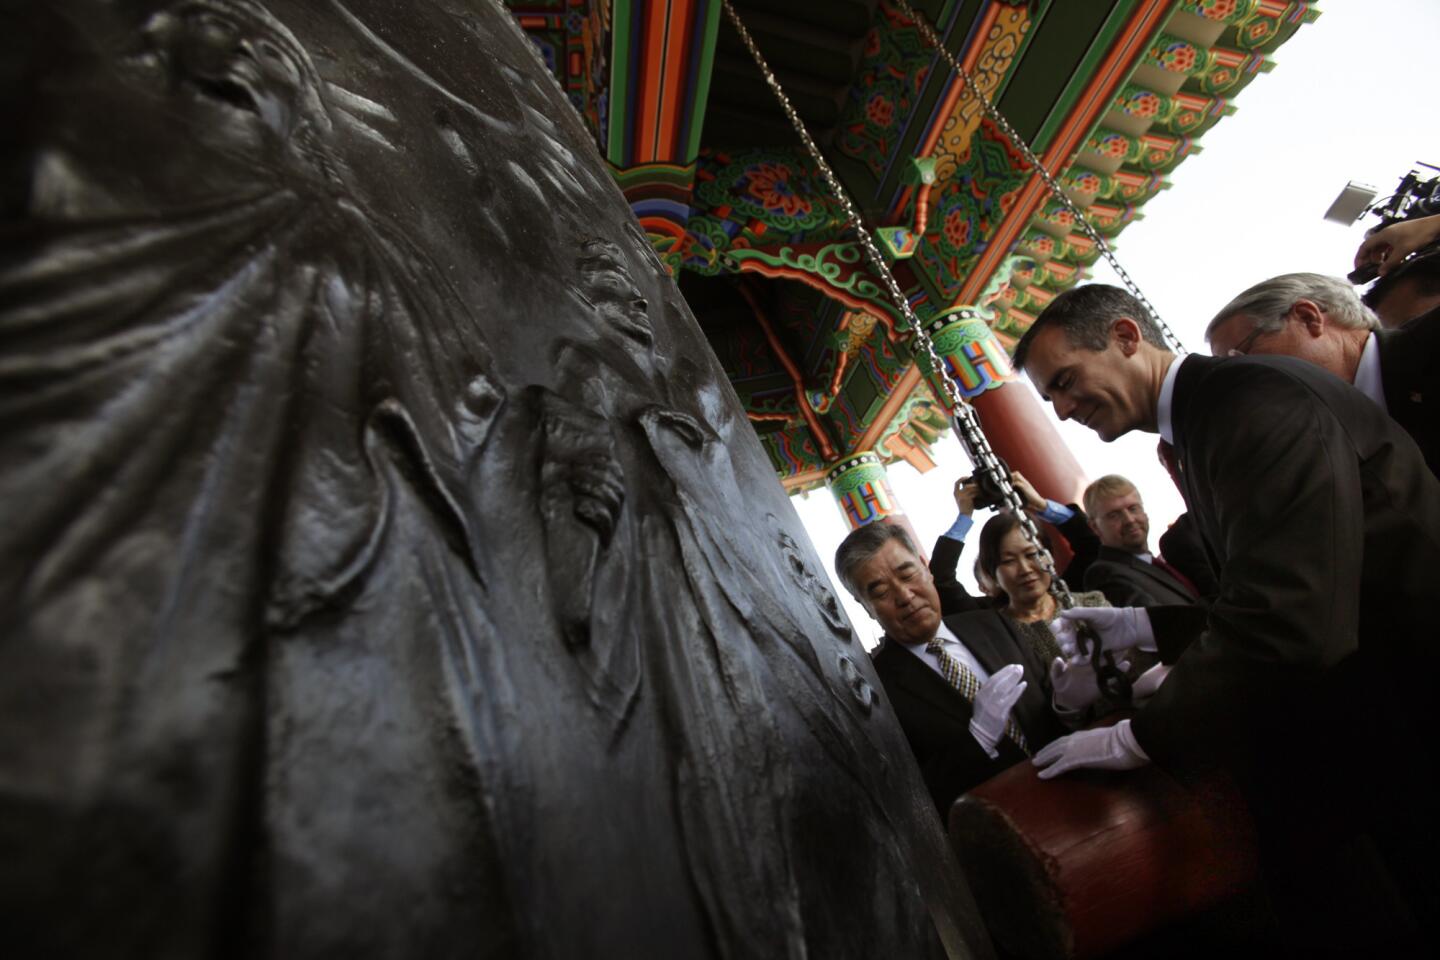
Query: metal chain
[[1053, 185], [982, 455]]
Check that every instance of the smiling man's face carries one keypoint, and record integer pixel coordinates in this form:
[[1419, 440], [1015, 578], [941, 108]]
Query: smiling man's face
[[1102, 389], [898, 591]]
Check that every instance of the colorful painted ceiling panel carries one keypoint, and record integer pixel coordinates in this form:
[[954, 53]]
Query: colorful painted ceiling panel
[[1113, 96]]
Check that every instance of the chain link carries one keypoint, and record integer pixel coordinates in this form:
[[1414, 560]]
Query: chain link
[[1053, 185], [982, 455]]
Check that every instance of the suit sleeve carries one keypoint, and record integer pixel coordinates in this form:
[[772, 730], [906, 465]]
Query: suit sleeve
[[1285, 489], [1176, 626], [1120, 590], [944, 560], [1084, 544]]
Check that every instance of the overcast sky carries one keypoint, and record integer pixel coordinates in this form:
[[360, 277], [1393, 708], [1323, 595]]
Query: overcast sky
[[1350, 98]]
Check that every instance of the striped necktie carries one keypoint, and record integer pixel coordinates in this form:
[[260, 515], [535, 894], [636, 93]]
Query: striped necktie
[[963, 679]]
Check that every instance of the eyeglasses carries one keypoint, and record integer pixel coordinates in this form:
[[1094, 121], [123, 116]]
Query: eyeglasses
[[1243, 347]]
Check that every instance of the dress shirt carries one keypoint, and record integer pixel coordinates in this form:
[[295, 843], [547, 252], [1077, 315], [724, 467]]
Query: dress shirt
[[1367, 375], [955, 648], [1164, 410], [960, 528], [1054, 513]]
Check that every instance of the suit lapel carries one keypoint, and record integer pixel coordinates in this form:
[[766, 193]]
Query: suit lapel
[[923, 683], [1159, 576], [981, 639], [1182, 412], [1192, 369]]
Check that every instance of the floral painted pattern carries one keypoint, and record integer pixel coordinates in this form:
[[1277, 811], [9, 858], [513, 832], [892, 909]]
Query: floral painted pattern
[[880, 110], [957, 228], [1176, 57], [1141, 103], [769, 184]]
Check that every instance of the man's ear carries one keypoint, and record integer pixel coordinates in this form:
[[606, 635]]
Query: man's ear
[[1126, 332], [1311, 315], [1090, 522]]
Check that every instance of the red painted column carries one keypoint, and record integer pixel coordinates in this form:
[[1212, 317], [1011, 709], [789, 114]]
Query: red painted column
[[1025, 438], [1012, 418]]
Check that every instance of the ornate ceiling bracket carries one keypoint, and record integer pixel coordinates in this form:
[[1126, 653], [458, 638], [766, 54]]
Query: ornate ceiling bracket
[[1098, 91], [662, 54], [1189, 114], [1206, 48], [1215, 70], [972, 181], [574, 40], [920, 424], [973, 357], [835, 269], [660, 195], [639, 73], [1252, 24], [754, 199]]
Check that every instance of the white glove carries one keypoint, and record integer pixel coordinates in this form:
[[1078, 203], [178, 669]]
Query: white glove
[[1117, 627], [1108, 748], [1066, 635], [992, 705], [1073, 685], [1148, 682]]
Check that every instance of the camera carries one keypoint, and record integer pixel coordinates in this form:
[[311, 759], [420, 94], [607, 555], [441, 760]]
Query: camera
[[990, 495], [1413, 198]]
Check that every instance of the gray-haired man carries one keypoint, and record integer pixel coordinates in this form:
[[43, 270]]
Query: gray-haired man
[[1321, 319], [1310, 677], [971, 703]]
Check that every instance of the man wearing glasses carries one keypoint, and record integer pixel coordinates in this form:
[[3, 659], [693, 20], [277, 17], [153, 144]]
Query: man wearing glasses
[[1309, 678], [1321, 319], [1125, 570]]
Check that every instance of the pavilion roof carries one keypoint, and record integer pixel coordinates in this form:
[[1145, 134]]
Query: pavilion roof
[[1112, 96]]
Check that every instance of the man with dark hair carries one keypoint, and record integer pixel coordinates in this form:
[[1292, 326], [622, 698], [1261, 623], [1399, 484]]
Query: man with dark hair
[[1087, 313], [1310, 676], [1320, 319], [970, 708]]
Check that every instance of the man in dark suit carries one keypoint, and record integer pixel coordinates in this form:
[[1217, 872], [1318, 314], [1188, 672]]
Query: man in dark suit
[[1312, 678], [1125, 570], [1321, 319], [971, 700]]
